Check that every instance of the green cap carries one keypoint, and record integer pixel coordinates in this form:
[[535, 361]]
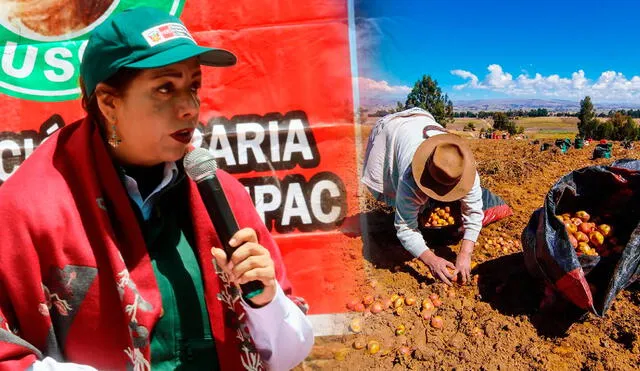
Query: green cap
[[142, 37]]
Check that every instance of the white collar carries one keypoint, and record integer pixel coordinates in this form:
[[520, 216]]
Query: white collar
[[146, 205]]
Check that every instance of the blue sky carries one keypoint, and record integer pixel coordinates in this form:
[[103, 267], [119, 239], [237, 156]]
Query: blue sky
[[562, 49]]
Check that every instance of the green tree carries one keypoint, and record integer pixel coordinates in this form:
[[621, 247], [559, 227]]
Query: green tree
[[591, 128], [605, 130], [617, 121], [622, 126], [586, 117], [427, 95], [540, 112], [629, 130], [399, 107], [501, 121]]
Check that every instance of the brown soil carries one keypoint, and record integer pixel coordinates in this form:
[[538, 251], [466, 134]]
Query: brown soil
[[495, 323]]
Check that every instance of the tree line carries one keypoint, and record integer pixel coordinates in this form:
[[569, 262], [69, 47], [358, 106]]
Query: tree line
[[620, 125], [543, 112], [534, 112]]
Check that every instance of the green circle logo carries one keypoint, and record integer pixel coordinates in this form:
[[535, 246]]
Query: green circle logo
[[42, 42]]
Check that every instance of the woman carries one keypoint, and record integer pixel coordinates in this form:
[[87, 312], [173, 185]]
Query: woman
[[108, 264]]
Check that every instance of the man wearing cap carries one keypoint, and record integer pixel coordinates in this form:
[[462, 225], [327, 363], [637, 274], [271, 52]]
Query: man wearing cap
[[410, 158]]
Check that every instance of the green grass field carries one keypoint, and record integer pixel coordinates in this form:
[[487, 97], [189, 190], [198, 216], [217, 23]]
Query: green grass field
[[566, 123], [460, 123], [534, 127], [552, 135], [549, 127]]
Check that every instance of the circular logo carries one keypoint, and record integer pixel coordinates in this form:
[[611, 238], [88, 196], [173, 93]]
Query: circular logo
[[42, 42]]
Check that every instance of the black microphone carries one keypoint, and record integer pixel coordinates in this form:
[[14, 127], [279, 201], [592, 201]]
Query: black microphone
[[200, 166]]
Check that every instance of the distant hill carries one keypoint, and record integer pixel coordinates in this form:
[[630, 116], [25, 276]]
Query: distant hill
[[515, 104], [505, 104], [554, 105]]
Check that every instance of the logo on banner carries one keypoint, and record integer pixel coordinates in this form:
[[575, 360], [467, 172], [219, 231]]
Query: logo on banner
[[42, 42]]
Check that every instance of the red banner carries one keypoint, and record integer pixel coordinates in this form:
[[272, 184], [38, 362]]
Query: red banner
[[281, 120]]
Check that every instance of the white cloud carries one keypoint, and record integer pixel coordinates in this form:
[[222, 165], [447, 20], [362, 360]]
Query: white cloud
[[497, 78], [368, 85], [473, 79], [609, 86], [381, 92], [578, 80]]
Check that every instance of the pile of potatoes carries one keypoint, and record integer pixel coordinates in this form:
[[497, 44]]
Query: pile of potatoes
[[589, 238], [440, 217]]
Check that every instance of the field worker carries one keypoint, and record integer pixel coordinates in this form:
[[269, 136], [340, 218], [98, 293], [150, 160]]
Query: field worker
[[410, 158]]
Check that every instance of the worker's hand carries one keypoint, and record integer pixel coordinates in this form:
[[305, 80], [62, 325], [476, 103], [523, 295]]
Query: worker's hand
[[463, 261], [438, 266], [249, 262]]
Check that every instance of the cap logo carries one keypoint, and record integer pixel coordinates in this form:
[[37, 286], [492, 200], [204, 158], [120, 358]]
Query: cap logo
[[165, 32]]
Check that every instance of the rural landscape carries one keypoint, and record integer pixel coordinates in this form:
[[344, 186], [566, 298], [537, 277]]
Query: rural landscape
[[533, 106], [496, 322], [400, 317]]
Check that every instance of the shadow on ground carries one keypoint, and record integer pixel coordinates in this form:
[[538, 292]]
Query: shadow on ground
[[507, 286], [504, 282]]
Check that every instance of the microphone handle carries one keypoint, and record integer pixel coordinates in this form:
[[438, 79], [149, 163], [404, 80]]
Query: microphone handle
[[225, 225]]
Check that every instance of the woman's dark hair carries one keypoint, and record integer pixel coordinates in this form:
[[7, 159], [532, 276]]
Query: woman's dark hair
[[120, 81]]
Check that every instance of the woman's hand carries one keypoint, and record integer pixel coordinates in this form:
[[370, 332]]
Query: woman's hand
[[249, 262]]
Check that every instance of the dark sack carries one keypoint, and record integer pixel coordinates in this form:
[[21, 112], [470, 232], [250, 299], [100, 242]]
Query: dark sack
[[563, 144], [493, 206], [612, 192], [602, 150]]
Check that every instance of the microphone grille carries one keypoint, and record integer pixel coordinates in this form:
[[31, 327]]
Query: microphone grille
[[199, 164]]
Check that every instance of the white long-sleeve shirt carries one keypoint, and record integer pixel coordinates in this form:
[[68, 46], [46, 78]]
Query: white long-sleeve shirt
[[282, 333], [388, 174]]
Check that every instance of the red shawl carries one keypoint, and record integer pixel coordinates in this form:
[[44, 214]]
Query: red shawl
[[76, 282]]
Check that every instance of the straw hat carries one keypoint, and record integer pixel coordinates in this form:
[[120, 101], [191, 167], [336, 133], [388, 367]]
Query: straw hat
[[444, 168]]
